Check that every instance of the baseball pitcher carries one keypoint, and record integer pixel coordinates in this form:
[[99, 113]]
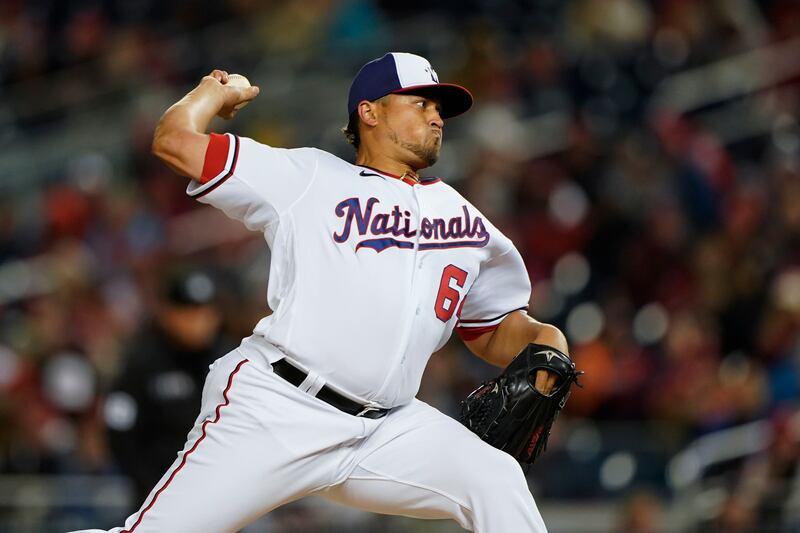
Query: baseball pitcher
[[372, 268]]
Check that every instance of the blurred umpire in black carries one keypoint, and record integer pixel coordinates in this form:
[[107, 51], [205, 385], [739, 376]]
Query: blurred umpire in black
[[156, 397]]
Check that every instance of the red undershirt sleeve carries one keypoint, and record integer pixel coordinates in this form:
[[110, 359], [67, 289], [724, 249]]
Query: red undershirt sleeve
[[470, 334]]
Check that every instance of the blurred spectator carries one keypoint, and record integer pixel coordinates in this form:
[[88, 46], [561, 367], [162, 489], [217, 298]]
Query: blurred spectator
[[154, 401]]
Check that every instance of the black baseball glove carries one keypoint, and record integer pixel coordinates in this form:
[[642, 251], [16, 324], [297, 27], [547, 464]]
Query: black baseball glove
[[510, 414]]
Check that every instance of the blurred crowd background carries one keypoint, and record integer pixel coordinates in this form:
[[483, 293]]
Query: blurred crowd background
[[643, 155]]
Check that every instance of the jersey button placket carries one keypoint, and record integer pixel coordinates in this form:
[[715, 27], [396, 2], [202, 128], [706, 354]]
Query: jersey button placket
[[419, 258], [416, 272], [411, 306]]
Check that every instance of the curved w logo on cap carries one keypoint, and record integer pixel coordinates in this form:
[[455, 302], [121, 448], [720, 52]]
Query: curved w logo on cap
[[432, 72]]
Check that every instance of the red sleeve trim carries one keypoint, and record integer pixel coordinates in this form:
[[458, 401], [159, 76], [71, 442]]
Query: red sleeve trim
[[470, 334], [223, 176], [523, 308], [216, 157]]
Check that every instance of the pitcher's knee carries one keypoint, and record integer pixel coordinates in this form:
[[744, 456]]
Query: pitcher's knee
[[500, 479], [498, 498]]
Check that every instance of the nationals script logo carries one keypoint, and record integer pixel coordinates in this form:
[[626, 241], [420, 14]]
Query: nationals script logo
[[393, 229]]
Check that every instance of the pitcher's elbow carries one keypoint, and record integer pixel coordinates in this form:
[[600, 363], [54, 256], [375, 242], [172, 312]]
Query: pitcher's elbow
[[163, 145], [180, 149], [170, 148]]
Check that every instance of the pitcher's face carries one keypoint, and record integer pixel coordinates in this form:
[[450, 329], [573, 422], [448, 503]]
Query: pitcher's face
[[414, 125]]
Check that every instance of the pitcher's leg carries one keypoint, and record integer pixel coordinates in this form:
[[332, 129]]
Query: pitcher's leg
[[236, 464], [205, 488], [424, 464]]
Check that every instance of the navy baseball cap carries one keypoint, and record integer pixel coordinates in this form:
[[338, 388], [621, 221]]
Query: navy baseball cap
[[398, 73]]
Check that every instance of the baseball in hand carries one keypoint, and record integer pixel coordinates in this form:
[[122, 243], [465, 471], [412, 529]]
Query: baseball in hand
[[237, 80]]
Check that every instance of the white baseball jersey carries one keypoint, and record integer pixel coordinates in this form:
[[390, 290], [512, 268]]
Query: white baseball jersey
[[369, 273]]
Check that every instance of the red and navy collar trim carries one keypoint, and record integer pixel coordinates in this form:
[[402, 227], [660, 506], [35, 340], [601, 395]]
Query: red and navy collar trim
[[405, 179]]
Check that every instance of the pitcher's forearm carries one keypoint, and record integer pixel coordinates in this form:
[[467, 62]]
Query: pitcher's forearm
[[551, 336], [194, 111], [180, 138], [515, 332]]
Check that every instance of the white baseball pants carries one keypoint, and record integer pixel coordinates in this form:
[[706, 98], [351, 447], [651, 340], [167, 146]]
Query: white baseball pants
[[260, 442]]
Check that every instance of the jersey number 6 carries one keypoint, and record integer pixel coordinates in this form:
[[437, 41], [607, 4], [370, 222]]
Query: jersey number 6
[[448, 296]]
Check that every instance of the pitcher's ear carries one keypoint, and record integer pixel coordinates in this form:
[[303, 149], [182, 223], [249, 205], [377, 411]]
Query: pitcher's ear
[[367, 111]]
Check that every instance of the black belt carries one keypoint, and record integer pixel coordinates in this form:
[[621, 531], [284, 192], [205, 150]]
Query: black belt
[[295, 376]]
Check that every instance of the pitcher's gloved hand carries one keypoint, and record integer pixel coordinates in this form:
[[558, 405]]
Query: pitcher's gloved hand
[[510, 413]]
